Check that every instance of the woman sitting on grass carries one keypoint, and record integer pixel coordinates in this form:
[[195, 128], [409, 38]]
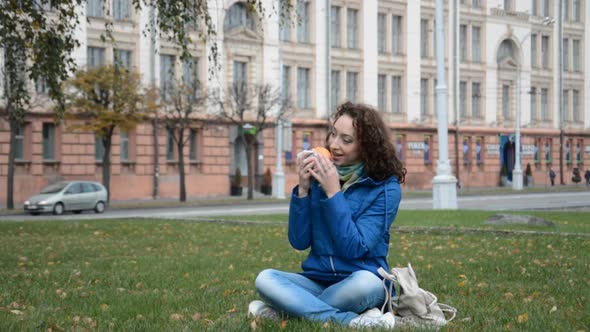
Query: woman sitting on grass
[[342, 209]]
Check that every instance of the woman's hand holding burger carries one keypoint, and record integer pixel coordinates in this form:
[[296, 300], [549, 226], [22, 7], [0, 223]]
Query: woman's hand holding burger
[[317, 163]]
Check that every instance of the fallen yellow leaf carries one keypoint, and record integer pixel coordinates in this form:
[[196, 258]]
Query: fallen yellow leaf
[[523, 318]]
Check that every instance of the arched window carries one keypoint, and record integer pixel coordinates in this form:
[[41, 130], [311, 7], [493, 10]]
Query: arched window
[[238, 15], [506, 50]]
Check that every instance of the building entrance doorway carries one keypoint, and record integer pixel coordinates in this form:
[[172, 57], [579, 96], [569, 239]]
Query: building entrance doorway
[[507, 154]]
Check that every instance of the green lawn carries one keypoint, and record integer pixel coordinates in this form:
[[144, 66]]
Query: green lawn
[[160, 275]]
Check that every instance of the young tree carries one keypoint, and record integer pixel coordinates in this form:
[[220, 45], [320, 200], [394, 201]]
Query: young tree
[[102, 99], [177, 115], [259, 106]]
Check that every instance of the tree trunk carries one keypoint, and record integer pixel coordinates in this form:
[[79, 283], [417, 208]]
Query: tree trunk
[[11, 157], [106, 165], [180, 145], [249, 143]]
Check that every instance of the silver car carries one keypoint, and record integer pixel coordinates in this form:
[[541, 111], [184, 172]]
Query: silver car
[[68, 196]]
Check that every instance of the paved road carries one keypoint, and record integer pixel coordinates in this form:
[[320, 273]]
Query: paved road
[[579, 201]]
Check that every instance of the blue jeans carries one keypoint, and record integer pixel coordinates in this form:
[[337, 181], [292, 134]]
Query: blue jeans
[[298, 296]]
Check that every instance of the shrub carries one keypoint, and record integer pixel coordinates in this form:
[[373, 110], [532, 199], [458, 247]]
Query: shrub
[[237, 180]]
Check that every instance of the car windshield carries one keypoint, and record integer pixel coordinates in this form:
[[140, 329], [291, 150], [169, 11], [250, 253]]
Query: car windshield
[[54, 188]]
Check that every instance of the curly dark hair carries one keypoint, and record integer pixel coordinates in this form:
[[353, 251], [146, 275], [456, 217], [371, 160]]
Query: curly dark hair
[[376, 149]]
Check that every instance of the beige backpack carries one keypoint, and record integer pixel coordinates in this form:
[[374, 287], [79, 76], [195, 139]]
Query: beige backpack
[[412, 305]]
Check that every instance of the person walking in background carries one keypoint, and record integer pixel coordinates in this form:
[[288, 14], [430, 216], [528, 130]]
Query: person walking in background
[[342, 209], [587, 177], [552, 176]]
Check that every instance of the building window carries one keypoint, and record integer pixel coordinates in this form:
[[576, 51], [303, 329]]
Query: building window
[[534, 50], [306, 140], [396, 94], [122, 58], [166, 75], [566, 103], [478, 145], [424, 40], [351, 86], [576, 55], [352, 28], [544, 8], [95, 57], [576, 10], [98, 148], [124, 145], [303, 27], [476, 44], [286, 82], [94, 8], [576, 106], [427, 156], [536, 151], [533, 104], [170, 144], [476, 100], [48, 141], [534, 8], [19, 144], [568, 151], [192, 146], [508, 5], [462, 42], [41, 86], [335, 87], [190, 76], [381, 27], [505, 102], [303, 88], [381, 86], [548, 151], [545, 51], [566, 10], [565, 54], [240, 71], [238, 15], [121, 9], [285, 24], [396, 35], [335, 26], [462, 99], [465, 150], [424, 97], [399, 146], [545, 103], [579, 152]]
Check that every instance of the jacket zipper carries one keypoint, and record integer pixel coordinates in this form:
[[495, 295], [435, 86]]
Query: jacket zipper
[[332, 264]]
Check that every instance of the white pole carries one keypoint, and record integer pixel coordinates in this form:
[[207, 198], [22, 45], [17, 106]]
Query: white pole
[[517, 172], [444, 190], [278, 189]]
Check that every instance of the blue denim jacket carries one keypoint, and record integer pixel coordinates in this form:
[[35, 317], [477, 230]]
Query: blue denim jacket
[[346, 233]]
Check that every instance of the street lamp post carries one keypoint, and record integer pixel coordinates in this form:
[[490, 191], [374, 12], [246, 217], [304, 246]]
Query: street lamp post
[[444, 184]]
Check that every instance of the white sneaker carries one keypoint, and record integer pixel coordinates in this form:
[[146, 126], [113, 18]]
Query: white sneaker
[[373, 318], [260, 309]]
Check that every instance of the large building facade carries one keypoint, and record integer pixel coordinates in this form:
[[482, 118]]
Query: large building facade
[[376, 52]]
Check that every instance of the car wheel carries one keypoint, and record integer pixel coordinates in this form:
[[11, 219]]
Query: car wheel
[[99, 208], [58, 209]]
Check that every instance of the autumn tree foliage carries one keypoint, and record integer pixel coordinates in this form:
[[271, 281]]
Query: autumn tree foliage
[[102, 99]]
